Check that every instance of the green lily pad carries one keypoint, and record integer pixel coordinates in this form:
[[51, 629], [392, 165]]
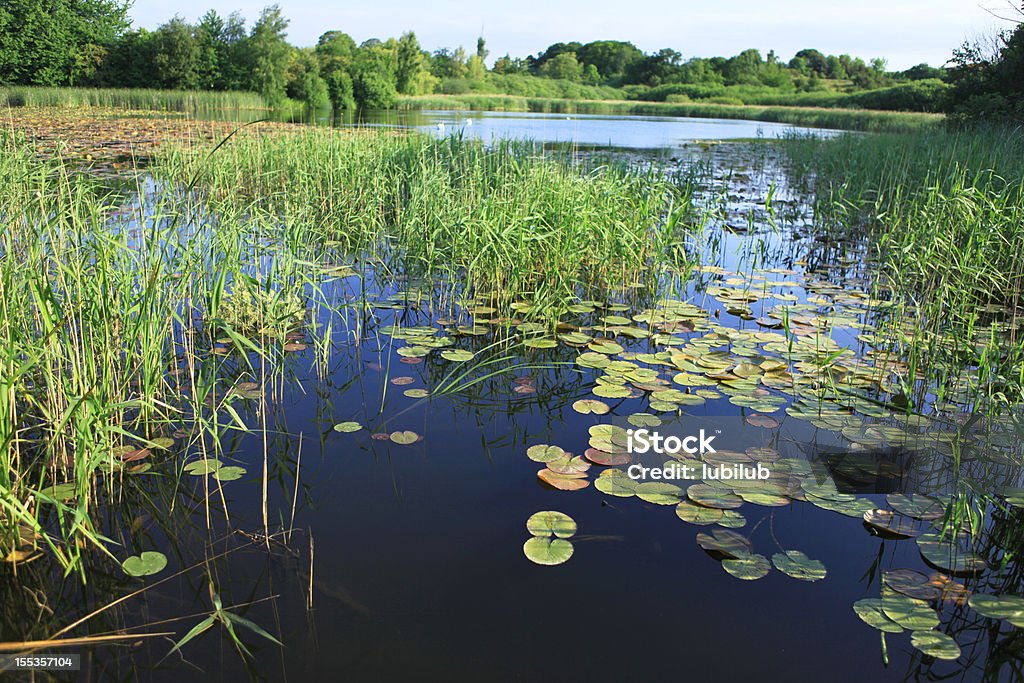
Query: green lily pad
[[659, 493], [60, 492], [149, 562], [201, 468], [950, 555], [611, 391], [551, 523], [347, 427], [1008, 607], [725, 542], [911, 614], [547, 551], [229, 473], [456, 355], [748, 567], [916, 505], [542, 452], [616, 483], [589, 406], [935, 644], [714, 497], [404, 438], [870, 612], [797, 565], [698, 514], [416, 393]]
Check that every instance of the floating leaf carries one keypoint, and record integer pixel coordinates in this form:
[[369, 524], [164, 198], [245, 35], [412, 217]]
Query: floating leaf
[[457, 355], [950, 555], [796, 564], [714, 497], [201, 468], [551, 523], [616, 483], [698, 514], [870, 612], [563, 482], [589, 405], [404, 438], [748, 567], [724, 542], [935, 644], [913, 615], [547, 551], [888, 523], [1008, 607], [911, 583], [416, 393], [542, 452], [149, 562], [60, 492], [916, 505], [229, 473], [347, 427], [659, 493]]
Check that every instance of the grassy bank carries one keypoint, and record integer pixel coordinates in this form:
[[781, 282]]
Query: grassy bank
[[130, 99], [817, 117], [944, 211]]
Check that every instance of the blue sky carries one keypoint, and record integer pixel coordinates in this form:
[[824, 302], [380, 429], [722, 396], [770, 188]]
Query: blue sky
[[905, 32]]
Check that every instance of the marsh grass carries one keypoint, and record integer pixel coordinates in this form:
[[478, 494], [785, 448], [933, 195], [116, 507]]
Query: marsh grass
[[944, 213], [192, 102], [122, 306]]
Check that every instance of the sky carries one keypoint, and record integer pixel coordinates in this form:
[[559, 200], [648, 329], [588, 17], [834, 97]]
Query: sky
[[903, 32]]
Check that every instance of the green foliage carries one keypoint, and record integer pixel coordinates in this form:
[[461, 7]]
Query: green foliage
[[58, 43], [989, 85], [267, 53]]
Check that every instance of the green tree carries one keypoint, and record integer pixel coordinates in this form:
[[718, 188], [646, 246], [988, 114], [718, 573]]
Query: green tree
[[304, 81], [411, 63], [610, 57], [564, 65], [62, 42], [268, 55], [334, 51], [176, 56]]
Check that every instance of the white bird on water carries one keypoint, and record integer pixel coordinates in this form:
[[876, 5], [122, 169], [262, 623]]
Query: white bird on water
[[469, 122], [440, 128]]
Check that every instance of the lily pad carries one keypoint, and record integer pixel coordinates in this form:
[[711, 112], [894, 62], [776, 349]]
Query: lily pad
[[888, 523], [916, 505], [797, 565], [725, 543], [1008, 607], [589, 406], [659, 493], [563, 482], [871, 613], [949, 554], [542, 452], [457, 355], [547, 551], [912, 583], [935, 644], [913, 615], [748, 567], [149, 562], [229, 473], [551, 523], [201, 468], [698, 514], [404, 438], [347, 427]]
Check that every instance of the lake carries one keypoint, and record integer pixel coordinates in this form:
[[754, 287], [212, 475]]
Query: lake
[[405, 557]]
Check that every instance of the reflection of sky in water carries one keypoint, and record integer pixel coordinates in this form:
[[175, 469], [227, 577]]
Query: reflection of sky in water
[[633, 132]]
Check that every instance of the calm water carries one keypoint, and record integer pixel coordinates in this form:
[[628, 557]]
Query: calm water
[[626, 132], [416, 551]]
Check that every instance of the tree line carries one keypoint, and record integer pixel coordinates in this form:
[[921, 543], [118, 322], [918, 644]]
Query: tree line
[[91, 42]]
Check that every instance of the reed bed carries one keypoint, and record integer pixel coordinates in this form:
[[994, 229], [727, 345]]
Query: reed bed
[[192, 102], [944, 213], [116, 299]]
